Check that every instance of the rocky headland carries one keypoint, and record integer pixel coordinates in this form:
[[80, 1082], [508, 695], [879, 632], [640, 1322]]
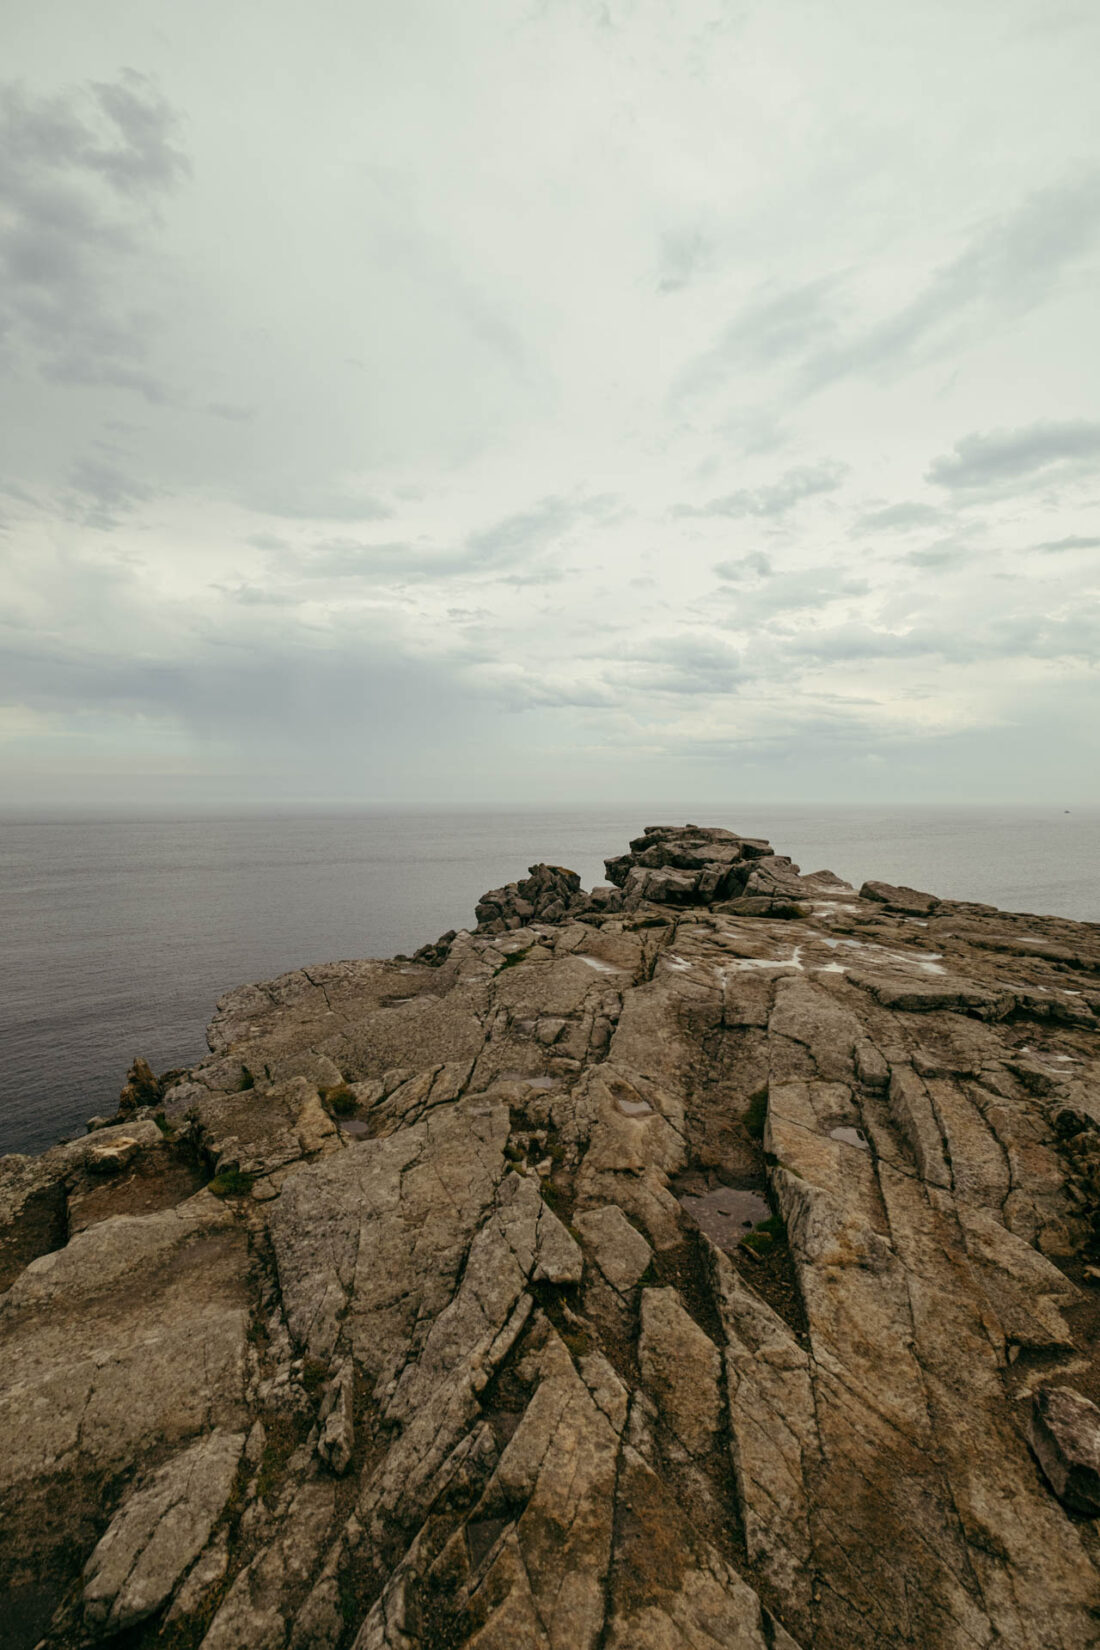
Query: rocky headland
[[709, 1260]]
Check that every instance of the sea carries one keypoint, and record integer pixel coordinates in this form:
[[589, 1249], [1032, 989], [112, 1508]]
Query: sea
[[117, 936]]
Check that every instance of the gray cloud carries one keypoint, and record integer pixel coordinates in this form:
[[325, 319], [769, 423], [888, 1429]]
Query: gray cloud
[[899, 518], [804, 481], [509, 549], [799, 591], [80, 178], [1011, 264], [755, 564], [100, 494], [682, 255], [680, 665], [232, 411], [304, 500], [1073, 541], [947, 553], [1009, 458], [298, 476], [1007, 636], [774, 328]]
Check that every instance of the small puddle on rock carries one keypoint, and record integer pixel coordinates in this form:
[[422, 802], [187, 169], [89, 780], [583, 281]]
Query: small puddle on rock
[[851, 1137], [635, 1108], [355, 1127], [726, 1214]]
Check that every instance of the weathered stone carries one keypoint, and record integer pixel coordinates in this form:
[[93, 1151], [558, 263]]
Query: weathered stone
[[337, 1418], [159, 1530], [909, 901], [619, 1249], [1064, 1432], [681, 1367]]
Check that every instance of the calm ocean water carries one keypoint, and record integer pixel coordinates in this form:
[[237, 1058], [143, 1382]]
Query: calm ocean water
[[116, 937]]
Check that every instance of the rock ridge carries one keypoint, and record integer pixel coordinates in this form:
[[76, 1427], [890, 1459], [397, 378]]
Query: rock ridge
[[711, 1258]]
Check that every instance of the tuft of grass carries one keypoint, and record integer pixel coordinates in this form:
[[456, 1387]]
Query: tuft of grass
[[577, 1341], [339, 1099], [163, 1124], [231, 1183], [756, 1113], [513, 958], [283, 1438], [766, 1235], [555, 1197], [247, 1080], [314, 1375]]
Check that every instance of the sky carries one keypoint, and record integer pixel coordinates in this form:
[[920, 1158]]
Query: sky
[[549, 401]]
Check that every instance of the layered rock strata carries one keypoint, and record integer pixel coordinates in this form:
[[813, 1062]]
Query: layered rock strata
[[704, 1261]]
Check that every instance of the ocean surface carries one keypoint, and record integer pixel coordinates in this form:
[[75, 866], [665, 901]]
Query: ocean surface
[[117, 936]]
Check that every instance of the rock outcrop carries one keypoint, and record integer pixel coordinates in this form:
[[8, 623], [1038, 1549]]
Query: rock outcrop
[[706, 1260]]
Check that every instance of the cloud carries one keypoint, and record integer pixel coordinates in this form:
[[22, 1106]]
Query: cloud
[[100, 494], [1070, 636], [682, 255], [775, 327], [511, 549], [756, 563], [947, 553], [684, 664], [902, 517], [80, 182], [1073, 541], [1007, 459], [305, 500], [805, 481], [1010, 266], [231, 410], [796, 591]]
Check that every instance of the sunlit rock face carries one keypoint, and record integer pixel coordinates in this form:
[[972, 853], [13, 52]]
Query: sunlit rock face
[[705, 1260]]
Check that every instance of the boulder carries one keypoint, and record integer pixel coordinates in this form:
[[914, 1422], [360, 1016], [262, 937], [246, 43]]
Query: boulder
[[909, 901], [1064, 1432]]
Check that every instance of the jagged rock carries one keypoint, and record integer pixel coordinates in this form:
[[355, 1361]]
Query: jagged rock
[[545, 894], [1064, 1432], [500, 1390], [337, 1418], [910, 901], [159, 1530], [142, 1088]]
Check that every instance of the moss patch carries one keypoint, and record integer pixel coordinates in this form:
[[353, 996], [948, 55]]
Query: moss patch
[[231, 1183]]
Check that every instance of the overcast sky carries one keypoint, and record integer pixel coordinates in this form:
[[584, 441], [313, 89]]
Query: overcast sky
[[549, 400]]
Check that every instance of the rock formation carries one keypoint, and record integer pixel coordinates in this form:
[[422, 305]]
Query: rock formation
[[705, 1261]]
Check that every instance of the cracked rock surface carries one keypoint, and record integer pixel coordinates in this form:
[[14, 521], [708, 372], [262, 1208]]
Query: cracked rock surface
[[712, 1259]]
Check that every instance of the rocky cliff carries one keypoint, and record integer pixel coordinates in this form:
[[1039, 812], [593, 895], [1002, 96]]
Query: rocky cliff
[[702, 1261]]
